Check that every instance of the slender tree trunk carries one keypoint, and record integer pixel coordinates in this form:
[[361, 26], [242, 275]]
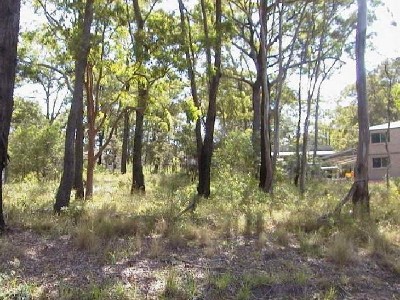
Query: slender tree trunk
[[256, 122], [101, 142], [137, 167], [91, 116], [64, 190], [190, 61], [9, 28], [389, 118], [125, 142], [266, 175], [78, 178], [361, 194], [316, 129], [298, 134], [281, 78], [304, 151], [214, 71]]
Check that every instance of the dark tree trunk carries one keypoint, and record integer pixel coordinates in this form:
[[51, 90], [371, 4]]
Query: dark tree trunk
[[266, 175], [361, 194], [137, 167], [125, 142], [101, 142], [64, 190], [143, 93], [298, 134], [9, 28], [78, 178], [214, 71]]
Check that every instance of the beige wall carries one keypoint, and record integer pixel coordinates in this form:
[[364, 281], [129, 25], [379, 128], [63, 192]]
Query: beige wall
[[379, 150]]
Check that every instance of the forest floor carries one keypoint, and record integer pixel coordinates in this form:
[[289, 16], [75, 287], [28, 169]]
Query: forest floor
[[115, 259]]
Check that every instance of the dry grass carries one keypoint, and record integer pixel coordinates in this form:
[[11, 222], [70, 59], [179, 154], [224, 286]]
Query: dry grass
[[116, 226], [341, 250]]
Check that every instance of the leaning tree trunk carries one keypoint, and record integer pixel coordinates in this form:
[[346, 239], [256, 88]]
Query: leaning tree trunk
[[64, 190], [9, 27], [361, 193]]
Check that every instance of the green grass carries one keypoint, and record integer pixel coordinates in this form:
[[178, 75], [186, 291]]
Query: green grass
[[115, 225]]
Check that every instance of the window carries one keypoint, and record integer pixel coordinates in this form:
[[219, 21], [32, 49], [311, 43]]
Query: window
[[379, 137], [380, 162]]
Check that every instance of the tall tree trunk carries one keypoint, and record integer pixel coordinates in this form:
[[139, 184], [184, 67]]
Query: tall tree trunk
[[256, 122], [125, 142], [361, 193], [214, 71], [137, 167], [143, 94], [9, 28], [64, 190], [389, 118], [316, 128], [190, 63], [266, 175], [78, 178], [91, 119], [278, 95], [298, 133]]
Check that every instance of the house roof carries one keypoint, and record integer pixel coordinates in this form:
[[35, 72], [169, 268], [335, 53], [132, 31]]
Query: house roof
[[385, 126], [342, 157]]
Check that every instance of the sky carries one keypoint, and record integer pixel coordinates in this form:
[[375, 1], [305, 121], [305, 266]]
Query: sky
[[385, 45]]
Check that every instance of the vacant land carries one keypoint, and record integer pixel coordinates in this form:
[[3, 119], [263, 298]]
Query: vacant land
[[239, 244]]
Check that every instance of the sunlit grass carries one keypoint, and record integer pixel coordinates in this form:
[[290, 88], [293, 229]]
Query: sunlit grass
[[115, 225]]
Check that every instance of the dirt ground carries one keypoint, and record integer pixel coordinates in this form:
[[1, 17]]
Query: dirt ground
[[51, 262]]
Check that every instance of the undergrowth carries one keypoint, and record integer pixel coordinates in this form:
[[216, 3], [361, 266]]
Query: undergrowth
[[115, 225]]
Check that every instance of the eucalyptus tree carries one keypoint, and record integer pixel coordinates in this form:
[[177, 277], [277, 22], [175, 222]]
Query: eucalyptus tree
[[322, 41], [280, 46], [9, 28], [153, 45], [213, 47], [81, 57], [360, 189], [266, 175]]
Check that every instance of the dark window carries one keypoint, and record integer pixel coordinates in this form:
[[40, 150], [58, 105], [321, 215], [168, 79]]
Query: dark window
[[379, 137], [380, 162]]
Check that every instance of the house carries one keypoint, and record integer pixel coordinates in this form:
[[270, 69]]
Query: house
[[379, 157]]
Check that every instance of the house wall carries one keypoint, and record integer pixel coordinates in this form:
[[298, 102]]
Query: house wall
[[378, 150]]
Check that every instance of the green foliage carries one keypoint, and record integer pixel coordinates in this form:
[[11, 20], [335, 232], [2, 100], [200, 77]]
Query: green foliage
[[235, 153], [35, 145]]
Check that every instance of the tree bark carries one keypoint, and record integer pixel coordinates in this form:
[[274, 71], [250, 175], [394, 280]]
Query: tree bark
[[361, 195], [214, 71], [256, 122], [78, 178], [266, 175], [64, 190], [125, 142], [190, 62], [9, 28], [101, 142], [138, 183]]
